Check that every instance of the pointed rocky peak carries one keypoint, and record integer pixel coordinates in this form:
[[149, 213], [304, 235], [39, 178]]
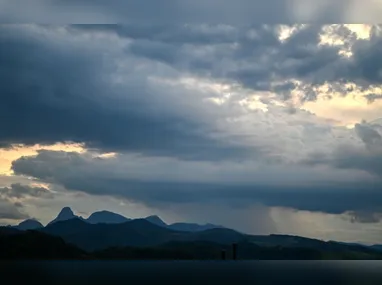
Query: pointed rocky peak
[[156, 220], [65, 214]]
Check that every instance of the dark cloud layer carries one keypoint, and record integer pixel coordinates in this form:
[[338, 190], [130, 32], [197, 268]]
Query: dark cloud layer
[[21, 191], [366, 158], [254, 56], [329, 198], [56, 93], [190, 11]]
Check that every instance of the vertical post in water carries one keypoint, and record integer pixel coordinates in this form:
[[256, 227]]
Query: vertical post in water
[[234, 251], [223, 254]]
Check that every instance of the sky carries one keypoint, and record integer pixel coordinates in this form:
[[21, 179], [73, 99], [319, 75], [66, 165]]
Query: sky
[[261, 128]]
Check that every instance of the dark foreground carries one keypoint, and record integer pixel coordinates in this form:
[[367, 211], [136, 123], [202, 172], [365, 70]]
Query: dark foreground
[[192, 272], [34, 245]]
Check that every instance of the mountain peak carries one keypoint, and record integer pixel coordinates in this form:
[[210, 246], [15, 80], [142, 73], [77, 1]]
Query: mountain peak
[[156, 220], [65, 214]]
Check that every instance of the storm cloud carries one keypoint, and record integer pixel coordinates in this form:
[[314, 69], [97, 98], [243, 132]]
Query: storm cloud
[[56, 94], [196, 11], [143, 180], [255, 57], [106, 97]]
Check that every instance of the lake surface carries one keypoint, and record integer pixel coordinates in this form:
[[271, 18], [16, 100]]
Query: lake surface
[[191, 272]]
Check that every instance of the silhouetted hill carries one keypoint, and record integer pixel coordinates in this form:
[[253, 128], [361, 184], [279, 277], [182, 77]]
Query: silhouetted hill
[[139, 232], [29, 224], [184, 227], [150, 237], [377, 247], [201, 250], [142, 233], [8, 230], [220, 236], [191, 227], [141, 239], [284, 240], [331, 247], [106, 217], [156, 221], [280, 252], [67, 228], [37, 245]]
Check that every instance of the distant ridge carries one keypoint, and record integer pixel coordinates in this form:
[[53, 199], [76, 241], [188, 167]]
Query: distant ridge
[[191, 227], [34, 245], [117, 236], [30, 224], [138, 232], [106, 217], [67, 228], [209, 232], [377, 247], [156, 221], [184, 227]]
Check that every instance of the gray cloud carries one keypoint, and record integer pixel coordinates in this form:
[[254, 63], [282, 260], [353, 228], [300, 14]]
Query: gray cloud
[[371, 137], [254, 56], [366, 63], [20, 191], [373, 97], [18, 204], [156, 188], [10, 211], [172, 11], [365, 217], [69, 88], [366, 157], [63, 95]]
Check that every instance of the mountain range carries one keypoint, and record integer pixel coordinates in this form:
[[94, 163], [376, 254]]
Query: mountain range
[[105, 234], [107, 217]]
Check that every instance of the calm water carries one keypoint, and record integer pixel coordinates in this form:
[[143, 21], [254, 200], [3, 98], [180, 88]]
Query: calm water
[[191, 272]]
